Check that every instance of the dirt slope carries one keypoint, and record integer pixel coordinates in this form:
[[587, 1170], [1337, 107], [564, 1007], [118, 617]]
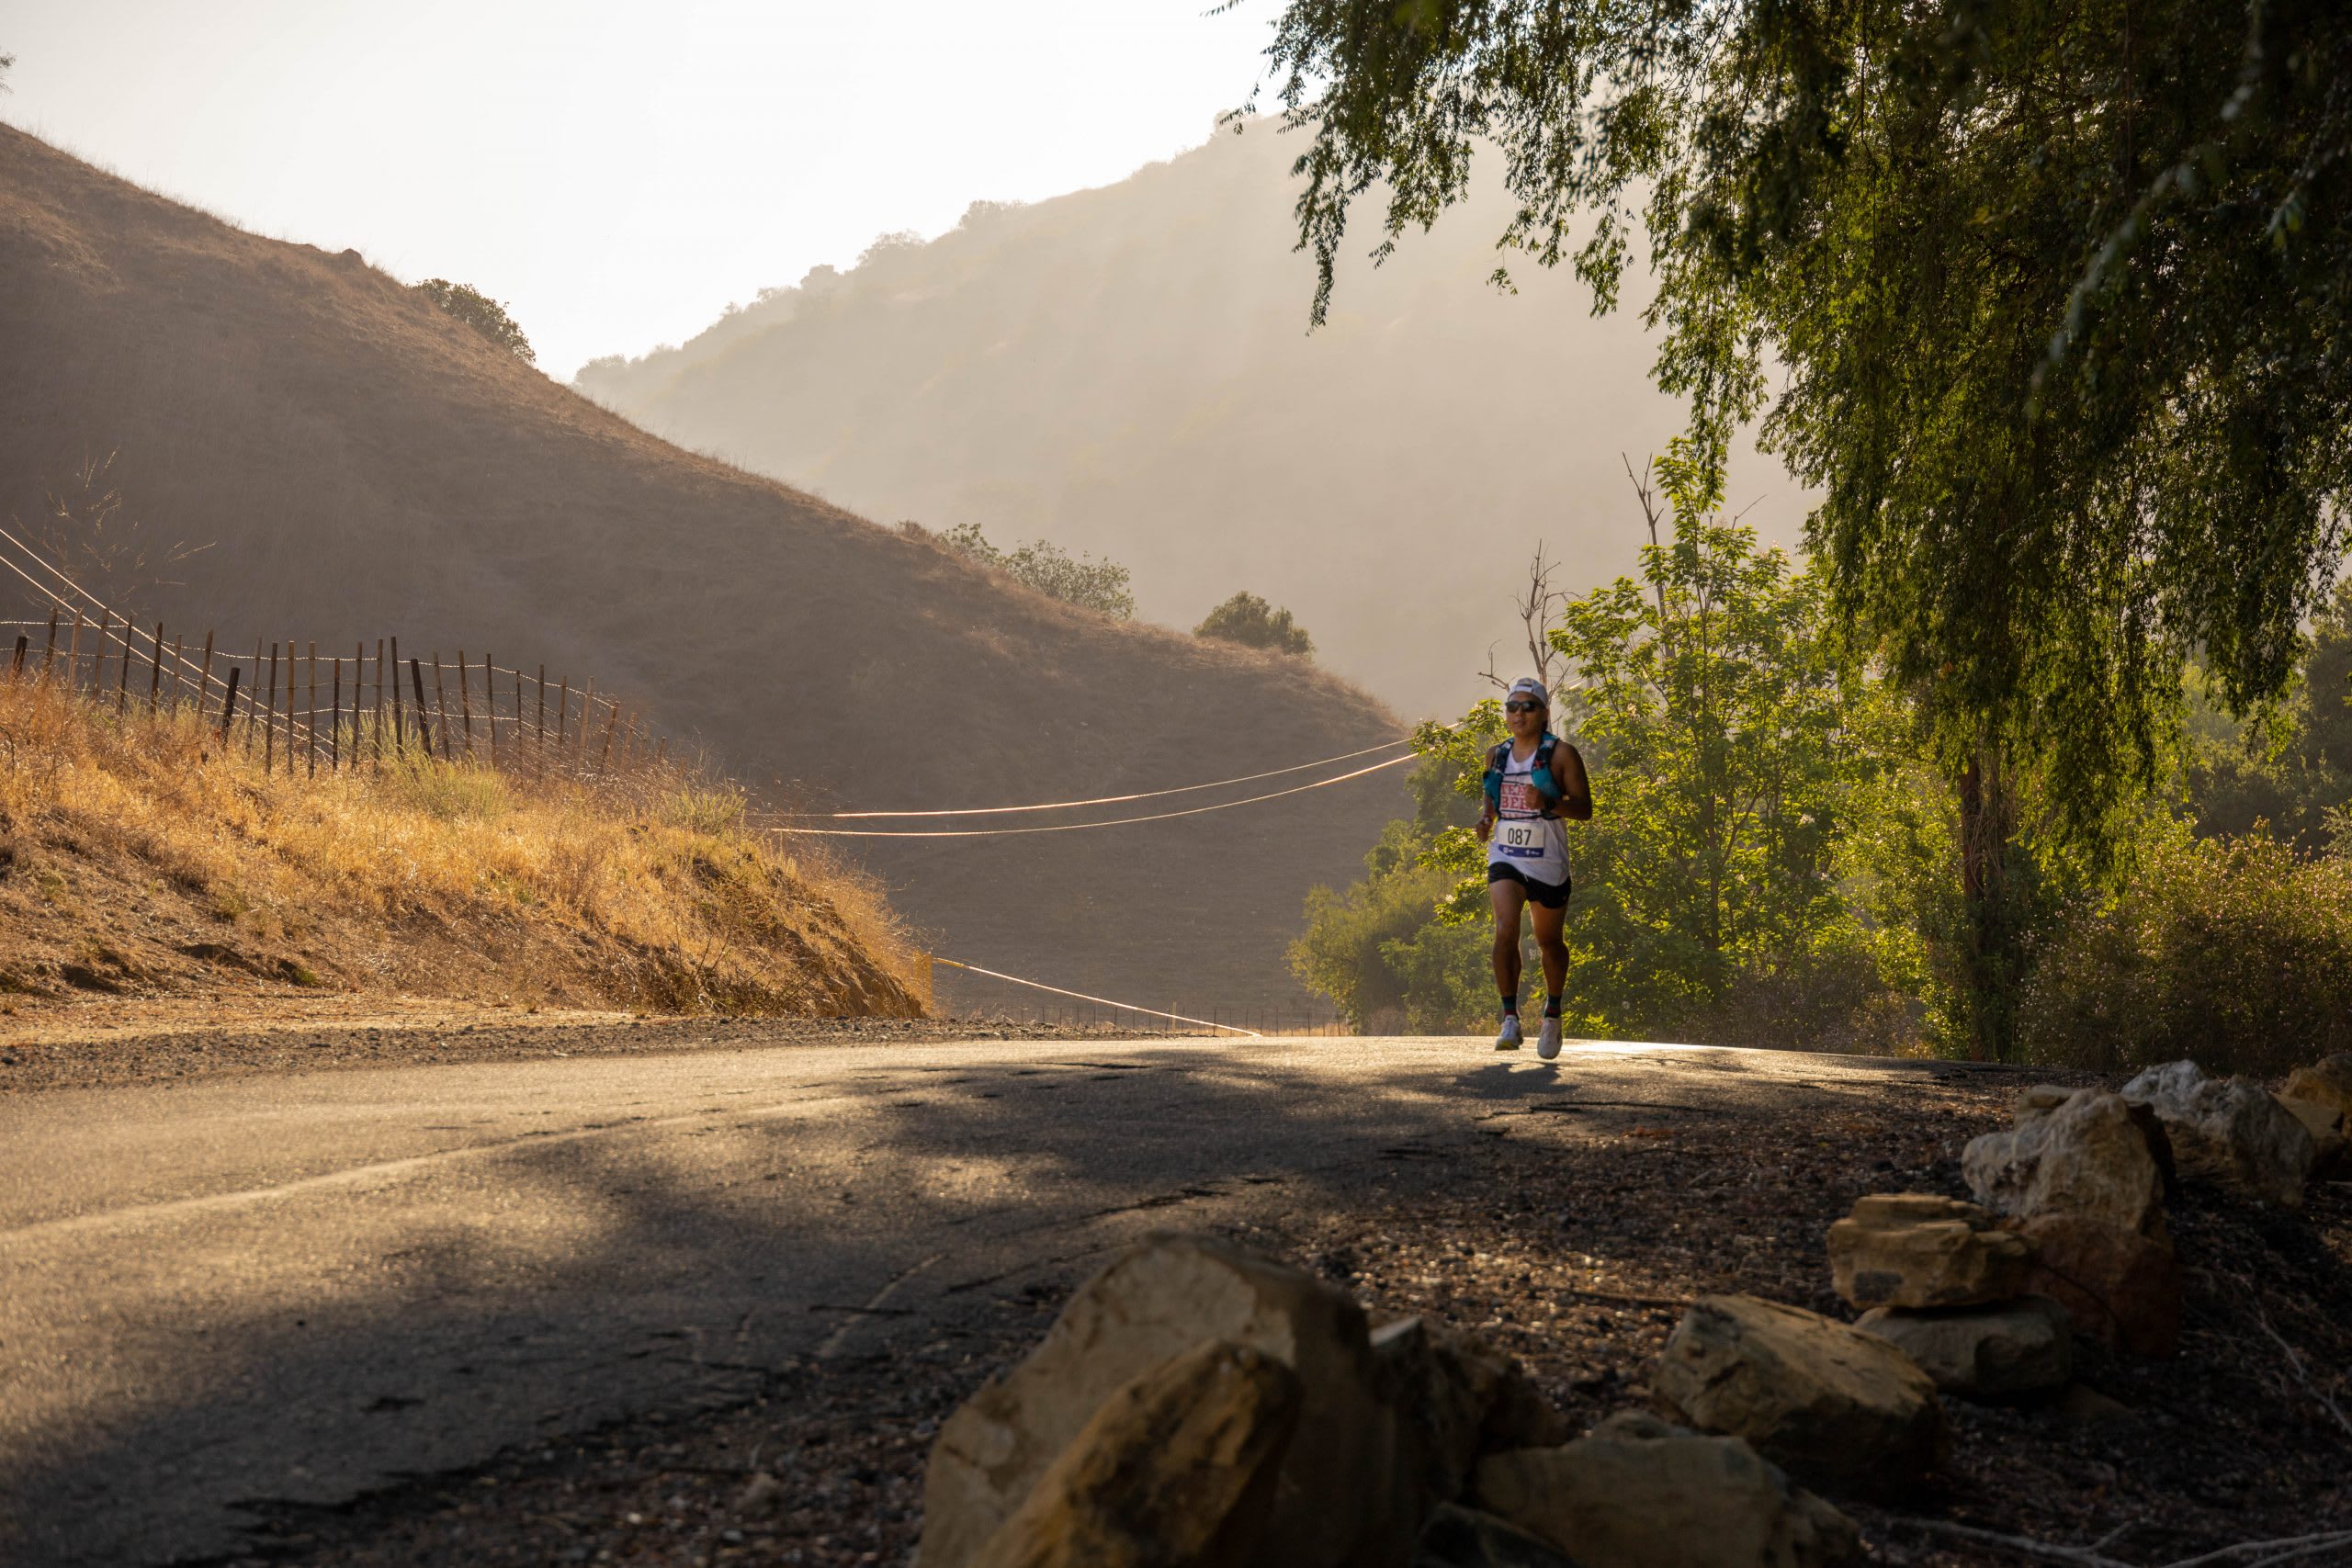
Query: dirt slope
[[360, 466]]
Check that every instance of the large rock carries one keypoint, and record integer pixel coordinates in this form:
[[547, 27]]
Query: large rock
[[1640, 1494], [2090, 1155], [1179, 1466], [1461, 1398], [2122, 1288], [2327, 1081], [1456, 1537], [1913, 1249], [1379, 1433], [2012, 1351], [2228, 1131], [1837, 1408], [2325, 1123]]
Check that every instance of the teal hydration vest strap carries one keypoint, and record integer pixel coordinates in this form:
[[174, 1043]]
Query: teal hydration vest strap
[[1540, 775]]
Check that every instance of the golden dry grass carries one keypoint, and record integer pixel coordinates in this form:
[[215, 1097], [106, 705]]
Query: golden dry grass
[[140, 855]]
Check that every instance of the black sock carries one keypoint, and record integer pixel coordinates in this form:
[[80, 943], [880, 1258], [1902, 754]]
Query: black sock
[[1551, 1007], [1510, 1007]]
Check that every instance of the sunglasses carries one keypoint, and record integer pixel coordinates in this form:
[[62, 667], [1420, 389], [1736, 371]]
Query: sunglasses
[[1522, 707]]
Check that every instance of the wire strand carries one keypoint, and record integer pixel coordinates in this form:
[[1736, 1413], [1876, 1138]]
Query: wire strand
[[1082, 995], [1079, 827], [1111, 799]]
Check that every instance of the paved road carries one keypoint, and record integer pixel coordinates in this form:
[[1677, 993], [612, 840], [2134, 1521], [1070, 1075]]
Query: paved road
[[304, 1288]]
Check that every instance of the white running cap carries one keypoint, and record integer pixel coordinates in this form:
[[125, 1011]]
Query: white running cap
[[1529, 686]]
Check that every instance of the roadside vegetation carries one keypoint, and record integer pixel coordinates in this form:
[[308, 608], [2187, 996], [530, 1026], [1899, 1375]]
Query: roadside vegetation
[[140, 857], [1773, 858]]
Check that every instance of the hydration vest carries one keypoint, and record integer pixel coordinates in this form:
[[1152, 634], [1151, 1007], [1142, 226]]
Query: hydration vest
[[1539, 775]]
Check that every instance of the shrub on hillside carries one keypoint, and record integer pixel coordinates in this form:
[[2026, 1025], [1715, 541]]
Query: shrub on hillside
[[481, 313], [2236, 953], [1250, 621], [1090, 584]]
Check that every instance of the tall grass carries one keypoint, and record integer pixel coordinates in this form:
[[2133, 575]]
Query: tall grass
[[647, 886]]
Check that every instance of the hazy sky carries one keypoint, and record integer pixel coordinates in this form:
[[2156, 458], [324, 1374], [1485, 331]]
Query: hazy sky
[[617, 173]]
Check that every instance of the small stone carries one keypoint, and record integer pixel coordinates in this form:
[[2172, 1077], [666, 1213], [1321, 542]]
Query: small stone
[[2090, 1155], [1913, 1249], [2122, 1288], [2228, 1131], [1837, 1408], [761, 1496], [1640, 1492], [1456, 1537], [2083, 1403], [2013, 1351]]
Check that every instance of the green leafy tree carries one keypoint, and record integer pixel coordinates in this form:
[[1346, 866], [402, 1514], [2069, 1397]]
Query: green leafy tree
[[1766, 859], [2288, 770], [2058, 297], [481, 313], [1090, 584], [1250, 621]]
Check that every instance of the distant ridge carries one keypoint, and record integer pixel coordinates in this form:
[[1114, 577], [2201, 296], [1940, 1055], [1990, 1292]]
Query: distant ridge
[[361, 465], [1128, 370]]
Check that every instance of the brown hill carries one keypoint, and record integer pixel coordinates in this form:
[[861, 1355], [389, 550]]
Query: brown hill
[[1128, 371], [358, 465]]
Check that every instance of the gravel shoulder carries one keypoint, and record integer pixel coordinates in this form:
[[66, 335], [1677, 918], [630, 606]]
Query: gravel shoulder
[[1572, 1228], [104, 1046]]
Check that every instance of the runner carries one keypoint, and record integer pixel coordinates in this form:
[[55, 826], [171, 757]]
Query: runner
[[1534, 780]]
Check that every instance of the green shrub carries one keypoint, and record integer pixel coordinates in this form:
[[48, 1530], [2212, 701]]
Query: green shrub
[[448, 791], [2236, 953]]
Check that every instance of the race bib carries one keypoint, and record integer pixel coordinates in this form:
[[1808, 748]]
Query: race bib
[[1520, 841]]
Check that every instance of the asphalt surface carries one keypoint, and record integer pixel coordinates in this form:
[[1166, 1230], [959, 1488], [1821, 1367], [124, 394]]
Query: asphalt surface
[[220, 1295]]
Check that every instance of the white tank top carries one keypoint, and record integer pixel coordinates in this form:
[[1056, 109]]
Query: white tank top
[[1535, 845]]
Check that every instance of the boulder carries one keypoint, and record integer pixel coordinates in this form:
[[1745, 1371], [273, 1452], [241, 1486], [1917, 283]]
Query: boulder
[[2327, 1081], [1837, 1408], [2013, 1351], [1463, 1398], [1354, 1485], [2120, 1287], [2090, 1155], [2034, 1104], [1638, 1492], [1913, 1249], [1456, 1537], [2228, 1131], [1177, 1467], [2324, 1123]]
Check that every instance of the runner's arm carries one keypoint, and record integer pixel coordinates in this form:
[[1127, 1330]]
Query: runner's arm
[[1575, 789]]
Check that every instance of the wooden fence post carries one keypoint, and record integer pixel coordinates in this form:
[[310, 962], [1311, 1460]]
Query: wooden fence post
[[250, 705], [440, 708], [399, 708], [289, 707], [155, 675], [98, 657], [122, 674], [543, 706], [605, 756], [49, 653], [74, 654], [310, 719], [179, 668], [228, 706], [269, 723], [17, 666], [515, 747], [204, 682], [334, 727], [562, 712], [465, 705], [587, 712], [380, 702], [423, 729]]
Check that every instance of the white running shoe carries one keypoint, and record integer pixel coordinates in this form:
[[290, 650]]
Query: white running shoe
[[1511, 1034], [1547, 1039]]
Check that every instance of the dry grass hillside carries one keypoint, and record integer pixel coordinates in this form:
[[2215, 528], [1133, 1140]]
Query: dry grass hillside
[[353, 464], [142, 857], [1128, 371]]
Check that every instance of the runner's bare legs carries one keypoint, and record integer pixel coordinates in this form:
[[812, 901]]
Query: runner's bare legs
[[1510, 898]]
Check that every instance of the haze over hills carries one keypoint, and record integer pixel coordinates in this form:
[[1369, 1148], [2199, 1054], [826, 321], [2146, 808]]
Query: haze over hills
[[1128, 371], [356, 464]]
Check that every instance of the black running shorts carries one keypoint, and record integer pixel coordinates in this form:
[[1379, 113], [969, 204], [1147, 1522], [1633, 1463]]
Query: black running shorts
[[1550, 895]]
